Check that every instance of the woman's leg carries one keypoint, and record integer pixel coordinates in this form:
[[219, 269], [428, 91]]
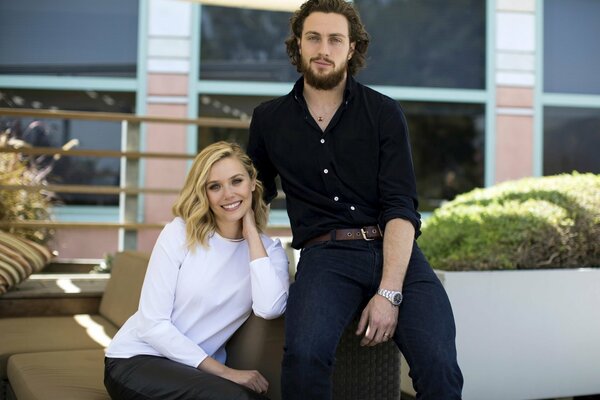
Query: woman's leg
[[150, 377]]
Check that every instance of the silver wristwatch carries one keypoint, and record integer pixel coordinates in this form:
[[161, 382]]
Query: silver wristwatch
[[393, 296]]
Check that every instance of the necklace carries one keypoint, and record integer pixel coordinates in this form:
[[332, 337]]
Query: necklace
[[320, 118]]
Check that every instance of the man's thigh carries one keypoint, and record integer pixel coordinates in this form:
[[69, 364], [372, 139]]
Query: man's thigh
[[332, 283], [425, 321]]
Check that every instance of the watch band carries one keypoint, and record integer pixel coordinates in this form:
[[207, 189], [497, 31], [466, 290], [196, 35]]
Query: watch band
[[394, 296]]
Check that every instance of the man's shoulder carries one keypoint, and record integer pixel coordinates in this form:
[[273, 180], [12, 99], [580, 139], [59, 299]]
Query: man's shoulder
[[274, 105], [373, 95]]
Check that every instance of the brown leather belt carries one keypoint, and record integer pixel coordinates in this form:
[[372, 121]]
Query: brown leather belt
[[367, 233]]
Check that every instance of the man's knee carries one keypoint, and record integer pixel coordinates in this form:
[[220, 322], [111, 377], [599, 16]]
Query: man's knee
[[304, 354]]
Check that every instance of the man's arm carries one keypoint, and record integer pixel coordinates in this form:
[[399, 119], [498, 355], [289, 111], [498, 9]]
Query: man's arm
[[379, 316], [257, 151]]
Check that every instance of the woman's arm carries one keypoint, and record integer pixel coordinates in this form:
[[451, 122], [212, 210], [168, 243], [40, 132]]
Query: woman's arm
[[269, 273]]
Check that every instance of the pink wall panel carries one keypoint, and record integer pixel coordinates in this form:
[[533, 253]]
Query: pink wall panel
[[514, 147]]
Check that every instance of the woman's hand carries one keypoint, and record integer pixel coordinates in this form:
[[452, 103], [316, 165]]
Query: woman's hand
[[250, 233], [249, 225], [250, 379]]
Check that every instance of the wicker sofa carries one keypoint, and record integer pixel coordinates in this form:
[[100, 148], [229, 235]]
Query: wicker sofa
[[62, 357]]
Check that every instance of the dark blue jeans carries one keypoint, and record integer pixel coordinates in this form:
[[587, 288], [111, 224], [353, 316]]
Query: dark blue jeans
[[334, 282]]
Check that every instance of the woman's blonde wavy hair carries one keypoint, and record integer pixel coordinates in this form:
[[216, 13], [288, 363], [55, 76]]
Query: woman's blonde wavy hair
[[193, 206]]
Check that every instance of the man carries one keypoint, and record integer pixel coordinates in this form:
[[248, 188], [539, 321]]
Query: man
[[342, 153]]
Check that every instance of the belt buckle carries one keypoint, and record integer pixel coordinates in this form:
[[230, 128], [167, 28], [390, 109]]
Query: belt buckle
[[364, 235]]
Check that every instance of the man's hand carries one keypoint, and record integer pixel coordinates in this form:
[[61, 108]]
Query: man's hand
[[379, 318]]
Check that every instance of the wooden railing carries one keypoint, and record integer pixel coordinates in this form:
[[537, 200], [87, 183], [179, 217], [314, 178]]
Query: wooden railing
[[130, 155]]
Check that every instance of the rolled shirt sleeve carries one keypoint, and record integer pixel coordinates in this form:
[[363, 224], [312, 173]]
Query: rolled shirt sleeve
[[397, 187]]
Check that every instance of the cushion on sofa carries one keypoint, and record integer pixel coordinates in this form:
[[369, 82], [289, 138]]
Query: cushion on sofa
[[120, 300], [122, 294], [258, 344], [19, 258], [29, 335], [64, 375]]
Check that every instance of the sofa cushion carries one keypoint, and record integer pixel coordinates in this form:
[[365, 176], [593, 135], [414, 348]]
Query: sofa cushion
[[119, 302], [122, 294], [19, 258], [65, 375], [35, 334], [258, 344]]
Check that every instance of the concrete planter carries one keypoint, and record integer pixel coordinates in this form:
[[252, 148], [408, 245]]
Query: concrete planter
[[527, 334]]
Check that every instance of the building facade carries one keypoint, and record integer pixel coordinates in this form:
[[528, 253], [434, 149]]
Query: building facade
[[493, 89]]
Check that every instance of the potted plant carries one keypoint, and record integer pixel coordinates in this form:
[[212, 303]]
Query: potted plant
[[519, 262], [22, 250]]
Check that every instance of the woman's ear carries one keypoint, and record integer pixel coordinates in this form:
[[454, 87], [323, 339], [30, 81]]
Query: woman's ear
[[253, 186]]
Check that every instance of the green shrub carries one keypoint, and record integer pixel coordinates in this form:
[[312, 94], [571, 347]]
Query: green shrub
[[548, 222]]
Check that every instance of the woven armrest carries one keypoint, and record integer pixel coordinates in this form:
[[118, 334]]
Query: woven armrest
[[366, 372]]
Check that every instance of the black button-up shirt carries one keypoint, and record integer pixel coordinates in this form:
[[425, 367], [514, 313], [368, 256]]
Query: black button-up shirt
[[358, 172]]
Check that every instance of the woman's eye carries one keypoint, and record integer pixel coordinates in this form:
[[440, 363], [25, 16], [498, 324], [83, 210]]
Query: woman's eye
[[214, 187], [237, 181]]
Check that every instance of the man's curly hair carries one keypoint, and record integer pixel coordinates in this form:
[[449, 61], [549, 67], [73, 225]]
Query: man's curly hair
[[358, 34]]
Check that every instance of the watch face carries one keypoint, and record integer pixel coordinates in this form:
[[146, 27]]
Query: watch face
[[397, 299]]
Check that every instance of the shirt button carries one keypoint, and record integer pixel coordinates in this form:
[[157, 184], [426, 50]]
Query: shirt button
[[352, 208], [336, 198], [326, 171], [322, 140]]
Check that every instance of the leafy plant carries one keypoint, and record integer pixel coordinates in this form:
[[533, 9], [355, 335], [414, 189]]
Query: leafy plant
[[548, 222], [23, 205]]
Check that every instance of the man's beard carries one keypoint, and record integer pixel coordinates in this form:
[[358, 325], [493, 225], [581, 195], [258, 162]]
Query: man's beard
[[323, 82]]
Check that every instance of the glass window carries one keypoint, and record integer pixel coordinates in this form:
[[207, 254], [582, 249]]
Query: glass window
[[223, 106], [571, 140], [431, 43], [571, 53], [69, 37], [448, 147], [245, 45], [89, 135]]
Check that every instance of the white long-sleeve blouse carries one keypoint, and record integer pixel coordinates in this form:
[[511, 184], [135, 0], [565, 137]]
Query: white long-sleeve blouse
[[193, 301]]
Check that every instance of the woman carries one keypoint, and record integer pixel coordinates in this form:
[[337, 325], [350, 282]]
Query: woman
[[210, 268]]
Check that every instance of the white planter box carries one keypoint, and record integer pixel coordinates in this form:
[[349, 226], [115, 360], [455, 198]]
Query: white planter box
[[527, 334]]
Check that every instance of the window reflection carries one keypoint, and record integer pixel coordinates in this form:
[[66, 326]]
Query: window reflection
[[571, 56], [52, 132], [433, 43], [244, 44], [571, 140], [69, 37], [448, 146]]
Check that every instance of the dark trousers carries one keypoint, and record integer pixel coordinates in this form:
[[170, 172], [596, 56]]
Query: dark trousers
[[150, 377], [334, 282]]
